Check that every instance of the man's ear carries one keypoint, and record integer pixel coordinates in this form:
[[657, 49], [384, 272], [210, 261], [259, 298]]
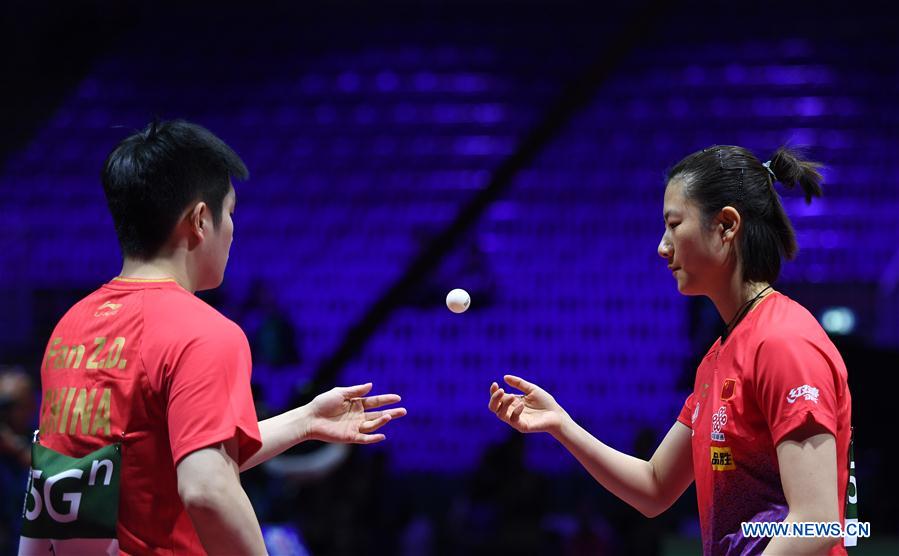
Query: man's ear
[[729, 223], [199, 220]]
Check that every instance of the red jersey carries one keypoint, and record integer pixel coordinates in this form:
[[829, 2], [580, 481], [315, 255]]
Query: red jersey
[[777, 371], [148, 364]]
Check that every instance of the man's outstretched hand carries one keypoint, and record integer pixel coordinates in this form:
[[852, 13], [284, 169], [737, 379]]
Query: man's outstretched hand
[[344, 415]]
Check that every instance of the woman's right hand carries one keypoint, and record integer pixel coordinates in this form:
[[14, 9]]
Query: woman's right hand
[[535, 411]]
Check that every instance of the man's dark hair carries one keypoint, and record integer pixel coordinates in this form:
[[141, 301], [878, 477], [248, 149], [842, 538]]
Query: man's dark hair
[[151, 177], [726, 175]]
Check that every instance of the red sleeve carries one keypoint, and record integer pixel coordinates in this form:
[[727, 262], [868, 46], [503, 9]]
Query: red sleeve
[[686, 413], [795, 383], [209, 396]]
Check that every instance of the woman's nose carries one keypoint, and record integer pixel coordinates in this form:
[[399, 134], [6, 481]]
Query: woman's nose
[[664, 247]]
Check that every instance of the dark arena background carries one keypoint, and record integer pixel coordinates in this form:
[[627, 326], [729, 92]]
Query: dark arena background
[[398, 150]]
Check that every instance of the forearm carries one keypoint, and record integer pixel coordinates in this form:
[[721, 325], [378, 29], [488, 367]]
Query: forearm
[[630, 479], [225, 522], [280, 433], [800, 546]]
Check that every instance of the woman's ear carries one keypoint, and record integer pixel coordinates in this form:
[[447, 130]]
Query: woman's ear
[[729, 222]]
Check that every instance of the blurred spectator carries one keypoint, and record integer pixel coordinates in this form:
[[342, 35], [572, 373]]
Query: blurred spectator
[[634, 534], [349, 511], [17, 423], [592, 536], [508, 503], [272, 335]]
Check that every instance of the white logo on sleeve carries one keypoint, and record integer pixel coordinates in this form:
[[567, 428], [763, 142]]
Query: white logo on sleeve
[[693, 420], [810, 393]]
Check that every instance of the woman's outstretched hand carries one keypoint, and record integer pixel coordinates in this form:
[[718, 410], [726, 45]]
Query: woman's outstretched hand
[[533, 411]]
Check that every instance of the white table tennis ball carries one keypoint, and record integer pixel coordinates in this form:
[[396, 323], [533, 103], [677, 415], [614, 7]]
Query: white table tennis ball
[[458, 300]]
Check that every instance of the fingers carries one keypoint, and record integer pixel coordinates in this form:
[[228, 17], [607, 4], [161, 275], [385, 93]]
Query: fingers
[[517, 409], [373, 402], [504, 405], [520, 383], [356, 391], [377, 419], [495, 398], [395, 413], [368, 438], [374, 424]]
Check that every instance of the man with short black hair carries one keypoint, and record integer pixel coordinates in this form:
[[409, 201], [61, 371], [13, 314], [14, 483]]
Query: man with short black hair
[[147, 414]]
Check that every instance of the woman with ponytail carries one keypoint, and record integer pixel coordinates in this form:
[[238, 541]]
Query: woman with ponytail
[[766, 432]]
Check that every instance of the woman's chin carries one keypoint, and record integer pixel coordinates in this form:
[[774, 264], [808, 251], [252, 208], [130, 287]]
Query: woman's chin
[[684, 287]]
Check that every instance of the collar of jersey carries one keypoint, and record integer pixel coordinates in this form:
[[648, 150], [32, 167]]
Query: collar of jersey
[[143, 280], [749, 318]]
